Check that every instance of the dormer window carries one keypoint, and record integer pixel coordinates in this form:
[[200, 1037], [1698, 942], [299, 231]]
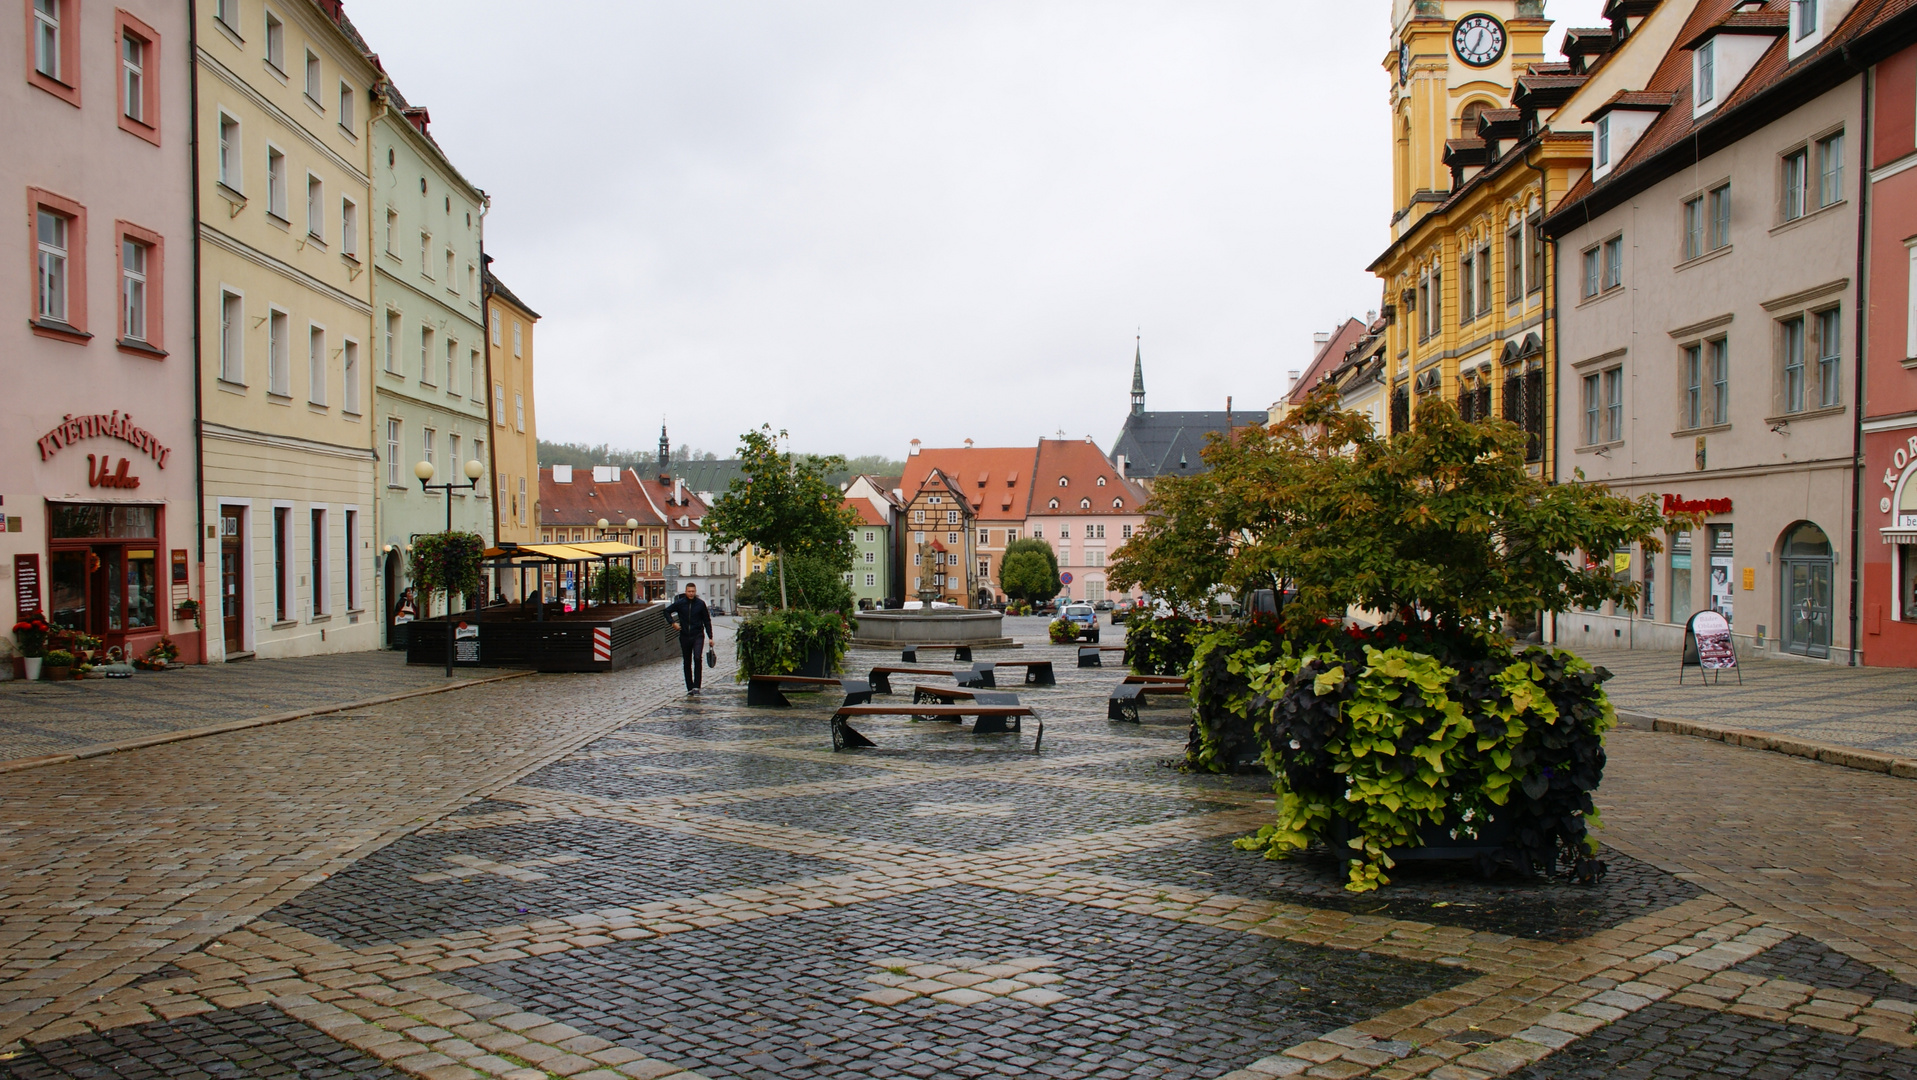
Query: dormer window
[[1118, 504], [1101, 481], [1053, 505], [1706, 84], [1806, 19], [1084, 504], [1603, 141], [1062, 482]]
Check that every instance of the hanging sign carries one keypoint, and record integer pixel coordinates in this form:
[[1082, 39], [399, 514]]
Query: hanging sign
[[26, 584]]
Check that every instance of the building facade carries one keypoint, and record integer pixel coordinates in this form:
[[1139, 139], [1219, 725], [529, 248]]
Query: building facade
[[515, 429], [285, 311], [1466, 277], [430, 386], [100, 530], [1086, 509], [602, 503], [1887, 544], [871, 575], [1710, 345], [939, 543], [690, 558], [996, 484]]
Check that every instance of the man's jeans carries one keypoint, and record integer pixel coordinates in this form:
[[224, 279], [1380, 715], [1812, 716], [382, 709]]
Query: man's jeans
[[695, 661]]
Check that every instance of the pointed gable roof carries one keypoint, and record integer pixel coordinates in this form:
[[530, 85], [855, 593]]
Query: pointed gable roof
[[1329, 356], [1081, 465], [993, 481]]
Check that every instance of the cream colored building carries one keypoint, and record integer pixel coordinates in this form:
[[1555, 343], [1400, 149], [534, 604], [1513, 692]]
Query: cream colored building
[[286, 318], [515, 443]]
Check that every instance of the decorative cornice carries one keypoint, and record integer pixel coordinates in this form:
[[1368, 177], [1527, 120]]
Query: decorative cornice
[[246, 251], [209, 430]]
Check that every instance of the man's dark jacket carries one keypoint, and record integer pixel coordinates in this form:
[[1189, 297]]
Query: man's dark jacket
[[695, 621]]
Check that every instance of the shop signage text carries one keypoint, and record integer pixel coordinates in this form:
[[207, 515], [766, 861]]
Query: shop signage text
[[106, 479], [26, 584], [1678, 504], [73, 428]]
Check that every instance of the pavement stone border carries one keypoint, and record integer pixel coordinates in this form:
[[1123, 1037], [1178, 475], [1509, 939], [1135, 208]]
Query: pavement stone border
[[1849, 757], [161, 738]]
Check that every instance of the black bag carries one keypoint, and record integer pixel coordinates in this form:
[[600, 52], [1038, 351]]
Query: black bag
[[712, 658]]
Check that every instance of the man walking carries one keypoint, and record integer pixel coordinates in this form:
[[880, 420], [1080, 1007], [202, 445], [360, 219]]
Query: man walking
[[689, 613]]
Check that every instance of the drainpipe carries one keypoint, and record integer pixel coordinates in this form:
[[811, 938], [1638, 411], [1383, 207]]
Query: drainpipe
[[199, 437], [1857, 441]]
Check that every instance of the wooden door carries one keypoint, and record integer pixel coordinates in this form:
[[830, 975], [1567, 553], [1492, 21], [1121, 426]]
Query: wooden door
[[232, 579]]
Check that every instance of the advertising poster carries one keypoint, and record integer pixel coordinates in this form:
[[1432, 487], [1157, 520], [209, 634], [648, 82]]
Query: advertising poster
[[1722, 587], [1712, 634]]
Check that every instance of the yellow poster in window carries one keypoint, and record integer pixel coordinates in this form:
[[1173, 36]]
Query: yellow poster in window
[[1621, 562], [1750, 578]]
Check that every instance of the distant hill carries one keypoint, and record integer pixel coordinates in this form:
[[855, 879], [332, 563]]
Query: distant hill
[[702, 471]]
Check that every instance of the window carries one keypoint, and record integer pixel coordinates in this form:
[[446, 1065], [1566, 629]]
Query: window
[[1792, 345], [952, 538], [1534, 269], [871, 580], [1680, 605], [1514, 265], [1437, 302], [392, 333], [52, 232], [1694, 228], [475, 384], [315, 208], [951, 518], [451, 284], [318, 539], [428, 445], [349, 229], [351, 563], [452, 457], [228, 12], [346, 108], [495, 328], [133, 263], [918, 518], [1604, 407], [1830, 339], [316, 365], [349, 369], [392, 453], [984, 537], [312, 77], [1614, 262], [1830, 170], [472, 279], [282, 558], [1693, 370], [279, 374], [499, 404], [229, 152], [1796, 174], [1084, 504], [276, 184], [1720, 217], [392, 226], [1467, 286], [426, 355], [1604, 140], [1720, 353], [1706, 89], [1806, 17], [425, 261], [522, 500], [517, 339], [232, 322], [452, 350], [1591, 271], [46, 38], [133, 52], [276, 42], [1484, 279]]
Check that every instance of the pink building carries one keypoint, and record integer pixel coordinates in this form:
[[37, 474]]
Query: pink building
[[97, 463], [1084, 507]]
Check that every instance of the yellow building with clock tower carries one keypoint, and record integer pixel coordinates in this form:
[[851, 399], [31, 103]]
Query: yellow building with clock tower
[[1467, 277]]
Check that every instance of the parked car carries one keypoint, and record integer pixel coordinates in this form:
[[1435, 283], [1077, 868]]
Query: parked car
[[1102, 605], [1122, 610], [1084, 620]]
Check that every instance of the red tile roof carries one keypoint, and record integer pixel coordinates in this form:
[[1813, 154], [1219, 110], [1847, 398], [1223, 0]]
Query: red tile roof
[[996, 480], [867, 512], [585, 500], [1329, 356], [1081, 464]]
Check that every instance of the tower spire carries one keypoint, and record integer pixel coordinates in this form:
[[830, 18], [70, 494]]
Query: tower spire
[[665, 456], [1138, 376]]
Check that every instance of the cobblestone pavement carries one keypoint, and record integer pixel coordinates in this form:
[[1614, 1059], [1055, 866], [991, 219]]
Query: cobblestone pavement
[[41, 718], [1868, 708], [600, 877]]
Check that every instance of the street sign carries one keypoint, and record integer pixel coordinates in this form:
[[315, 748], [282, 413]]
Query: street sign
[[1065, 578]]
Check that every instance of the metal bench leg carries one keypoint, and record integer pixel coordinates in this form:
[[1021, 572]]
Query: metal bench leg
[[963, 654], [766, 695], [1040, 740], [990, 725], [859, 697], [843, 736], [881, 682], [909, 656], [1039, 677]]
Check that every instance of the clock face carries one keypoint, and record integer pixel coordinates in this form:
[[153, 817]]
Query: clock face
[[1479, 40]]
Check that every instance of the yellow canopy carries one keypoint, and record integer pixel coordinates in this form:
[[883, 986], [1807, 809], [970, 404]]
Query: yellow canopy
[[607, 547]]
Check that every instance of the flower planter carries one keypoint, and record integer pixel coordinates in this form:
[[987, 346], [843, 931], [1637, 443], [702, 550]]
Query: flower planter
[[30, 668], [814, 665], [59, 674]]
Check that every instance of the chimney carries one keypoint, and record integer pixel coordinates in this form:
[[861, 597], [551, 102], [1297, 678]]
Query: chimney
[[1318, 341], [1291, 380], [1370, 317], [915, 448], [679, 491], [419, 118], [968, 444]]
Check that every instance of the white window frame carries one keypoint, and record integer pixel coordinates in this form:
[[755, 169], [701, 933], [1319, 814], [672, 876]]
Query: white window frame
[[232, 336], [276, 184], [518, 340], [47, 31], [395, 440], [349, 372], [452, 351], [519, 411], [275, 42], [495, 327], [133, 76], [1830, 169], [349, 229], [230, 149], [279, 346], [348, 115], [1704, 75], [316, 364], [313, 80], [315, 207], [53, 266], [391, 335], [426, 356], [134, 316]]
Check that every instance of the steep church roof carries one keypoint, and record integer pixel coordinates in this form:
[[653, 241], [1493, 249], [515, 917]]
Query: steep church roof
[[1154, 444]]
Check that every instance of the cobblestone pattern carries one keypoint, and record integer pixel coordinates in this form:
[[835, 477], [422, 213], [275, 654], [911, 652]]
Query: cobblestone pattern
[[118, 917], [53, 718], [253, 1041], [1679, 1043]]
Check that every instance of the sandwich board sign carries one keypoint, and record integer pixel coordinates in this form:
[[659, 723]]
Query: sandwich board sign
[[1708, 646]]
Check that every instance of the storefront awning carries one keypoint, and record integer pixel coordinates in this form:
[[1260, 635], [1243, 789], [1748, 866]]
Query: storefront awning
[[600, 548], [1899, 536]]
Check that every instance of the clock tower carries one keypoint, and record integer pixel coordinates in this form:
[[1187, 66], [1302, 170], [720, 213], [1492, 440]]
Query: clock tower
[[1450, 60]]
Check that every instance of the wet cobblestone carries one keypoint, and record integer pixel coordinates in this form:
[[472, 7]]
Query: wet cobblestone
[[256, 1041], [1141, 997], [1673, 1042], [1813, 963]]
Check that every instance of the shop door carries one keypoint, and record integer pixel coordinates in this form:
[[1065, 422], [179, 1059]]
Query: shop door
[[232, 580], [1808, 569]]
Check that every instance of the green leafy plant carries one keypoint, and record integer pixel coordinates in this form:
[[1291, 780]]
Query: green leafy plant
[[1062, 632], [1028, 570], [614, 583], [1162, 646], [449, 563], [780, 642], [813, 584], [58, 658], [786, 504]]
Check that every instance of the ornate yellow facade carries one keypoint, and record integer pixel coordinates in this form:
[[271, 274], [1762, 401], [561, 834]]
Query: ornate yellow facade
[[1467, 278]]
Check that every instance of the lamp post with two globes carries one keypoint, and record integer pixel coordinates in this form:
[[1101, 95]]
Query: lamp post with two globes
[[424, 470]]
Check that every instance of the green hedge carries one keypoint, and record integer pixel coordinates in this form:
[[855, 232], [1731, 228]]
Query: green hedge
[[778, 642], [1162, 646]]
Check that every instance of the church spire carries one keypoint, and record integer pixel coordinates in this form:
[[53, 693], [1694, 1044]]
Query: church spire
[[665, 456], [1138, 378]]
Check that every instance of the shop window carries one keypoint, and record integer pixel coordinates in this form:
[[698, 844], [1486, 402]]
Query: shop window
[[103, 577], [1907, 582], [1680, 606]]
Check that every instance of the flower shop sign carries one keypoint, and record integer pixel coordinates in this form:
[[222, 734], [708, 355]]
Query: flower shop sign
[[117, 425]]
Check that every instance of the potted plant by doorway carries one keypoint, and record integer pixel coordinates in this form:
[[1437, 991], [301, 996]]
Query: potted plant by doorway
[[30, 635], [59, 665], [188, 611]]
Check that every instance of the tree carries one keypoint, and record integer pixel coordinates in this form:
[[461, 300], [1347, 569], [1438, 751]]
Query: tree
[[614, 582], [1029, 570], [815, 585], [1182, 554], [752, 590], [784, 504]]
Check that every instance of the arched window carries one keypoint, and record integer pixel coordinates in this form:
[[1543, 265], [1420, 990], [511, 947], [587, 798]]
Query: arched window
[[1468, 119], [1084, 504]]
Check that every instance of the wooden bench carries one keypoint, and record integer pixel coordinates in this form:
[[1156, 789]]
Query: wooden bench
[[991, 719], [1094, 655], [881, 677], [1037, 672], [1129, 695], [769, 690], [1178, 680], [952, 695], [961, 654]]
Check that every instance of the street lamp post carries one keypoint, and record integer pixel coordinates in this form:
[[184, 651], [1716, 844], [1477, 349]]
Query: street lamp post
[[424, 470]]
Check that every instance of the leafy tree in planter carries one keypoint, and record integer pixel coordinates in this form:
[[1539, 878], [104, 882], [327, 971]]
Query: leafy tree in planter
[[447, 562], [612, 583], [1029, 570], [785, 504], [752, 590], [814, 585]]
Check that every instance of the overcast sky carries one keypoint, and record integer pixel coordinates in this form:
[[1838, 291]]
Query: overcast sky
[[868, 221]]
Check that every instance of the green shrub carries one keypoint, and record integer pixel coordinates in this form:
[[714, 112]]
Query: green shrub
[[1063, 633], [58, 658], [1222, 738], [1385, 745], [813, 583], [1162, 646], [778, 642], [612, 583]]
